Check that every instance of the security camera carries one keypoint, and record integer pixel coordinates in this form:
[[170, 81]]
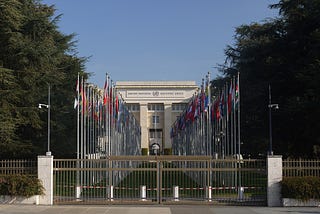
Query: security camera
[[273, 106], [39, 106]]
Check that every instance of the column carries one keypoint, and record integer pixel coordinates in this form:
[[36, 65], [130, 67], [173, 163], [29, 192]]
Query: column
[[45, 175], [144, 125], [167, 124], [274, 170]]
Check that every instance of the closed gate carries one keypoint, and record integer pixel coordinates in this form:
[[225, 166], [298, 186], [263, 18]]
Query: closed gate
[[160, 180]]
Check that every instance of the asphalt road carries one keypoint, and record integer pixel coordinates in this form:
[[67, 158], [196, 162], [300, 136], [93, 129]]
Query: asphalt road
[[181, 209]]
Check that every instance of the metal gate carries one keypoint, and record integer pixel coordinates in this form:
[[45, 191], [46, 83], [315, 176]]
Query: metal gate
[[160, 180]]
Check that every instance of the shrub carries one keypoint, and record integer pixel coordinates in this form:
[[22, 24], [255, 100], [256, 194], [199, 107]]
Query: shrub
[[144, 151], [20, 185], [303, 188]]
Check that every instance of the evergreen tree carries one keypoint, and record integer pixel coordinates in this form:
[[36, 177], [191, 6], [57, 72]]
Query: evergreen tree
[[34, 54], [284, 53]]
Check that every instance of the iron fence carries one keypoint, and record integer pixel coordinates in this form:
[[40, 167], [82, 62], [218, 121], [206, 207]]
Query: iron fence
[[11, 167], [300, 168], [159, 179]]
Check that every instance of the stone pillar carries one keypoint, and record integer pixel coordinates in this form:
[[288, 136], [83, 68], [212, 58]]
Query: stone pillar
[[176, 193], [143, 192], [167, 124], [274, 170], [209, 193], [45, 174], [144, 125]]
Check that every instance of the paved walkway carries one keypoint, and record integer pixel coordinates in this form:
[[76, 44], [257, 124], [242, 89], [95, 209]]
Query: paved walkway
[[181, 209]]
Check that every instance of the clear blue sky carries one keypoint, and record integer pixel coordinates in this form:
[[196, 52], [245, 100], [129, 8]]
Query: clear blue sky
[[156, 39]]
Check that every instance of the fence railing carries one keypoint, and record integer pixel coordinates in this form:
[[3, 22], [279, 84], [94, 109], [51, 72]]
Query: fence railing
[[160, 179], [26, 167], [300, 168]]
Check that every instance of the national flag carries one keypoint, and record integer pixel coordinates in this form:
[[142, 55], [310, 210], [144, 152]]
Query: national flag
[[203, 97], [89, 98], [189, 112], [217, 109], [237, 93], [77, 85], [196, 109], [116, 107], [83, 98], [105, 92], [77, 92], [212, 113], [230, 98], [222, 103], [75, 103], [110, 101], [96, 110], [206, 102]]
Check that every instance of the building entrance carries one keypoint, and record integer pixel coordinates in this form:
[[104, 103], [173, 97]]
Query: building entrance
[[155, 141]]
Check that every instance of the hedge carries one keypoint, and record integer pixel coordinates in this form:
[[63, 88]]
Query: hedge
[[303, 188], [20, 185]]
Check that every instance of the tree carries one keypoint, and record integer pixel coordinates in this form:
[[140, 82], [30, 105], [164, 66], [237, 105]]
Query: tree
[[284, 53], [34, 54]]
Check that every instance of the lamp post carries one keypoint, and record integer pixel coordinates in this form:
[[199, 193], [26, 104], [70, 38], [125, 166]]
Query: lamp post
[[48, 106], [271, 106]]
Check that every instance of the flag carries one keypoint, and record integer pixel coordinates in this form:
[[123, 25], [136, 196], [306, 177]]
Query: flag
[[230, 98], [203, 97], [221, 104], [212, 113], [105, 92], [190, 113], [217, 109], [75, 103], [196, 108], [206, 102], [77, 85], [83, 98], [237, 93], [110, 101], [96, 110], [77, 92]]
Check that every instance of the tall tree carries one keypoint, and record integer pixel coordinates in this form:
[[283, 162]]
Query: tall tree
[[34, 53], [284, 53]]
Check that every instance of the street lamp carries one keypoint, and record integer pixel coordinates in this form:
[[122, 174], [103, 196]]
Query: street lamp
[[271, 106], [48, 106]]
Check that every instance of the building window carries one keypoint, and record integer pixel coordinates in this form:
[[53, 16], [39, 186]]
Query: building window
[[155, 119], [133, 107], [155, 107], [178, 106], [155, 133]]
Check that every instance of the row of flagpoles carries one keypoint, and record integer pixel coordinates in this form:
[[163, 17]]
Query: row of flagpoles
[[105, 127], [210, 124]]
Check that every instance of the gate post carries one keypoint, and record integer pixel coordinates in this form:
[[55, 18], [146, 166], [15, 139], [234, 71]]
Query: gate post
[[45, 175], [274, 170], [209, 193], [111, 192], [176, 193], [143, 192]]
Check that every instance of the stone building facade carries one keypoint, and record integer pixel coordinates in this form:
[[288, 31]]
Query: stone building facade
[[156, 105]]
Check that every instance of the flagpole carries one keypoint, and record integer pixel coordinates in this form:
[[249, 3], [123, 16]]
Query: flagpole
[[107, 111], [239, 177], [78, 191], [235, 114], [239, 143], [208, 115], [227, 118], [81, 131], [110, 121]]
